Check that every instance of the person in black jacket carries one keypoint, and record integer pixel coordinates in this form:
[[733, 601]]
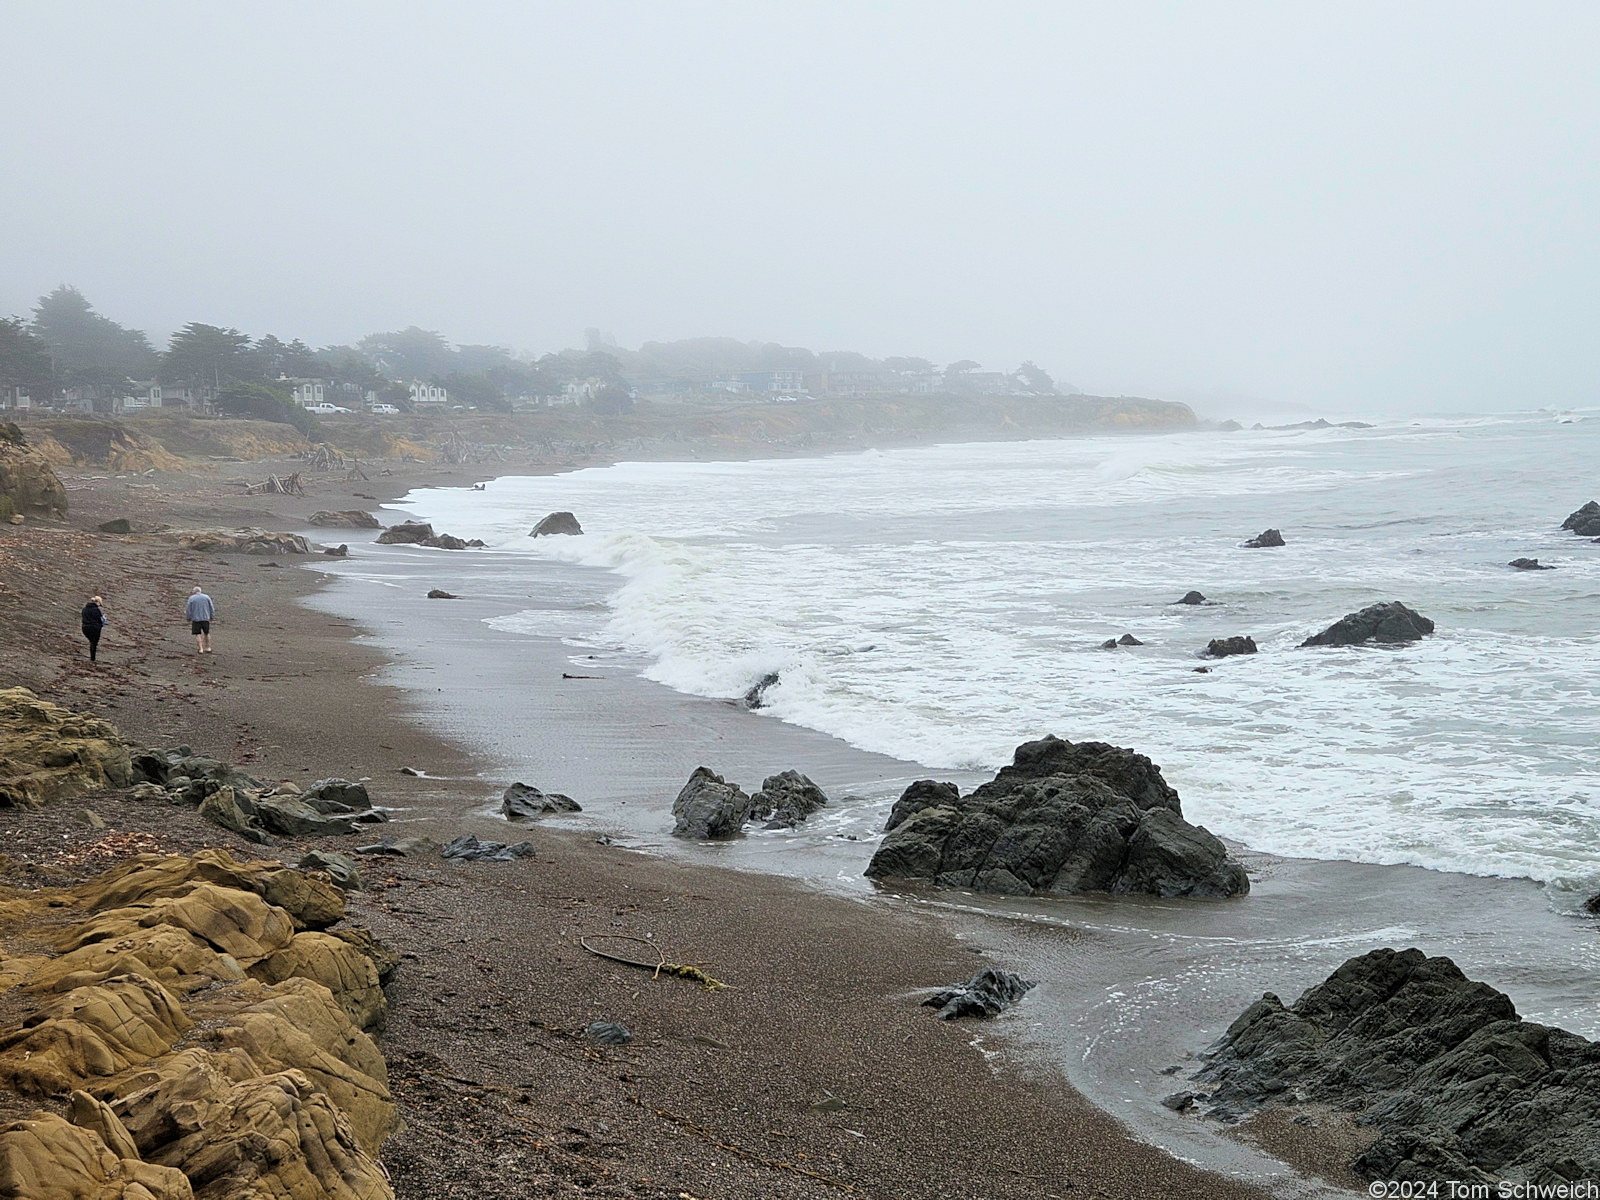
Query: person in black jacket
[[94, 620]]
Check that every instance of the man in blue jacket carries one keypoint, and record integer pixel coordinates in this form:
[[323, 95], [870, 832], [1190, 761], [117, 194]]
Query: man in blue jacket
[[199, 612]]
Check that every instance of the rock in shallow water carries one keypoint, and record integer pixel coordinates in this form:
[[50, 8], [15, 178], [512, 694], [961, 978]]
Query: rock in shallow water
[[1585, 522], [785, 800], [524, 803], [1458, 1086], [1529, 564], [1062, 818], [1387, 624], [1225, 647], [985, 994], [1264, 540], [709, 808], [557, 523], [1192, 598]]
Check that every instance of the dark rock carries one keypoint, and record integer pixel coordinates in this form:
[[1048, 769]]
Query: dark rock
[[609, 1033], [476, 543], [221, 809], [1388, 624], [756, 697], [1202, 670], [984, 995], [396, 847], [407, 533], [339, 551], [291, 816], [1128, 639], [1179, 1101], [352, 518], [1223, 647], [470, 849], [341, 868], [445, 541], [440, 594], [1062, 818], [1192, 598], [120, 525], [524, 803], [709, 808], [556, 523], [1585, 522], [1264, 540], [1458, 1086], [337, 796], [1529, 564], [785, 800], [1592, 905], [1109, 644]]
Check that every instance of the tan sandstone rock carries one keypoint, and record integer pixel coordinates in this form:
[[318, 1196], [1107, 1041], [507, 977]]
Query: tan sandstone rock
[[48, 752], [91, 1032], [340, 967], [237, 923], [46, 1158]]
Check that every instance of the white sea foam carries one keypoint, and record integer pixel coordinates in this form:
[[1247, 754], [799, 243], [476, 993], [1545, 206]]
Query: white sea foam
[[942, 604]]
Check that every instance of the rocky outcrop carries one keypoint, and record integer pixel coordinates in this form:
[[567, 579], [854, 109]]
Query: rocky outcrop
[[210, 1048], [1126, 639], [236, 541], [1064, 817], [467, 848], [524, 803], [557, 523], [1386, 624], [1456, 1084], [709, 808], [27, 482], [48, 752], [1224, 647], [1585, 522], [349, 518], [407, 533], [785, 800], [986, 994], [445, 541], [1529, 564], [1264, 540]]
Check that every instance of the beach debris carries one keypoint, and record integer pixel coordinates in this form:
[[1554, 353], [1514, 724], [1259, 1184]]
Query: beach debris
[[786, 799], [658, 966], [1192, 598], [1063, 818], [1529, 564], [467, 848], [412, 771], [120, 525], [341, 868], [1457, 1085], [984, 995], [1264, 540], [570, 675], [441, 594], [352, 518], [1386, 624], [1585, 522], [1224, 647], [522, 802], [756, 697], [609, 1033], [709, 808], [557, 523], [273, 486]]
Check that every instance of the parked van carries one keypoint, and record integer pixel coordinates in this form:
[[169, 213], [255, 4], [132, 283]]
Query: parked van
[[385, 410]]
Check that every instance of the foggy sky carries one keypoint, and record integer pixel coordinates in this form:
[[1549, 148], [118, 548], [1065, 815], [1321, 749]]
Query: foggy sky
[[1371, 207]]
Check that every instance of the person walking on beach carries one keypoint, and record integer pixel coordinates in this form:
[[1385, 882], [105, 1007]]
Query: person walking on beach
[[94, 620], [199, 612]]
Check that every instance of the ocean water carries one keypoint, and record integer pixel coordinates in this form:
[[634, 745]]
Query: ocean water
[[941, 604]]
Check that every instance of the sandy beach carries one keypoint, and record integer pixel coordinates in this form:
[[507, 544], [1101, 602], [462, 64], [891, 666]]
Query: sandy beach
[[815, 1072]]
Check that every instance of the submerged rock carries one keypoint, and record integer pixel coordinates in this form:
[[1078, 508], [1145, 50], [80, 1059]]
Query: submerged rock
[[440, 594], [1224, 647], [1264, 540], [524, 803], [1529, 564], [557, 523], [1387, 624], [1458, 1086], [756, 697], [1064, 817], [1585, 522], [985, 994], [709, 808], [1192, 598], [785, 800]]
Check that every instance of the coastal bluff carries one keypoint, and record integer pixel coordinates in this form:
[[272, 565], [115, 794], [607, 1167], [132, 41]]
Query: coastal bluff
[[1063, 818]]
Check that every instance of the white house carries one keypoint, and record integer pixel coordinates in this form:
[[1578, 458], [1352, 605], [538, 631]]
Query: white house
[[15, 398], [307, 392], [428, 393]]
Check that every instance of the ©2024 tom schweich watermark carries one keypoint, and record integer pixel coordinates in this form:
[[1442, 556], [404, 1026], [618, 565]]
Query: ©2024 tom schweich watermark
[[1451, 1189]]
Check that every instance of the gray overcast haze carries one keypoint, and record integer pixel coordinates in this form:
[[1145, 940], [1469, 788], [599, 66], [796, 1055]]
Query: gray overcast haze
[[1354, 207]]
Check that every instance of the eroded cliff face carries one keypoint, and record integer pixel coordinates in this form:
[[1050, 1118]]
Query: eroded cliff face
[[27, 482]]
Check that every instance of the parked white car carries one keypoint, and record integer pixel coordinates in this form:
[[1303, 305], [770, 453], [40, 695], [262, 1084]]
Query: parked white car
[[325, 410], [385, 410]]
